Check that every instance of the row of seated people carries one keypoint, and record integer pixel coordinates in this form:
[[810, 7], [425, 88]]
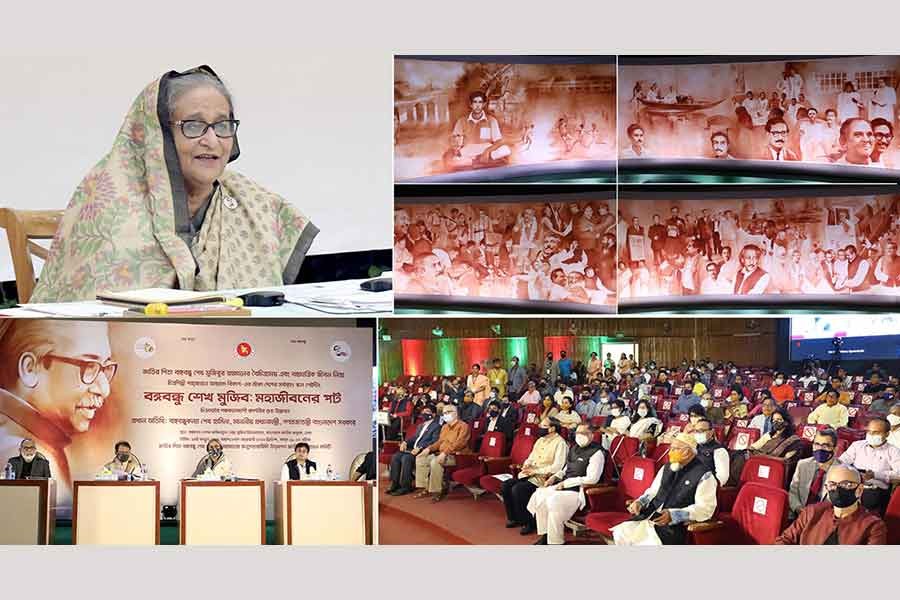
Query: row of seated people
[[878, 466]]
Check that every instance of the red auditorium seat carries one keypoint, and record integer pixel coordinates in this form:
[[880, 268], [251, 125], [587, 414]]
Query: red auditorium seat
[[470, 468], [842, 445], [621, 448], [764, 470], [390, 447], [741, 437], [521, 448], [799, 415], [855, 411], [850, 434], [607, 503], [808, 432], [758, 517], [664, 404], [528, 431], [475, 428], [806, 398], [660, 455], [892, 518]]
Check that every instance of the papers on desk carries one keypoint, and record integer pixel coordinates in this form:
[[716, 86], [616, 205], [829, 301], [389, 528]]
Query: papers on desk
[[73, 309], [168, 296], [345, 304]]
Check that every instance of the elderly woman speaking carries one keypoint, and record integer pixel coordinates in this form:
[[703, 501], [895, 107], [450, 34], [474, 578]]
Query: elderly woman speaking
[[160, 210]]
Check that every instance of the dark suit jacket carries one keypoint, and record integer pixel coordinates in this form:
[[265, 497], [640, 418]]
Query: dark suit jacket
[[40, 466], [766, 154], [432, 431]]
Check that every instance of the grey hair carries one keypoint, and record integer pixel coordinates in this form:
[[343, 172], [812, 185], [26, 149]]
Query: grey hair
[[852, 469], [179, 86], [22, 443]]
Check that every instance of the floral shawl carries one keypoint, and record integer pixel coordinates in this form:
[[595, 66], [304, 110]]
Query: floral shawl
[[126, 227]]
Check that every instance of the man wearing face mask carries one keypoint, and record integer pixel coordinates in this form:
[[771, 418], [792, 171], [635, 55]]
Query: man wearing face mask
[[781, 391], [517, 380], [469, 412], [498, 377], [563, 391], [683, 490], [124, 462], [562, 495], [547, 456], [710, 452], [564, 367], [831, 412], [29, 462], [453, 438], [586, 406], [840, 521], [496, 422], [403, 463], [808, 484], [878, 463], [686, 400], [549, 371]]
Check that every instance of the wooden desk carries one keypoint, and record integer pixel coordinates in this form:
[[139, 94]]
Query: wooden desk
[[28, 514], [115, 512], [317, 513], [223, 512]]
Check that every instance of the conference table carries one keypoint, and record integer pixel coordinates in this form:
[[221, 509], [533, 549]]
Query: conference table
[[27, 511], [115, 512], [322, 513], [222, 513], [333, 298]]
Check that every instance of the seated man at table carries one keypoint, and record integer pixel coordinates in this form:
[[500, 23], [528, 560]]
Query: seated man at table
[[124, 463], [403, 463], [29, 463], [454, 437], [298, 467], [877, 461], [842, 520], [808, 483], [683, 490], [214, 463], [831, 412], [562, 495]]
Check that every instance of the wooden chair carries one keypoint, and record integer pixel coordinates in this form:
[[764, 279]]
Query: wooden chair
[[23, 226]]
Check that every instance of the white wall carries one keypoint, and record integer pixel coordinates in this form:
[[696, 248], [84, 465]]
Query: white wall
[[313, 129]]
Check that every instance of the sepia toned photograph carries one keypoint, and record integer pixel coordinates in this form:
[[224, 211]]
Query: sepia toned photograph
[[498, 118]]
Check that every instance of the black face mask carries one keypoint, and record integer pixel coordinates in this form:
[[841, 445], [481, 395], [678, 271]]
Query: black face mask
[[842, 498], [494, 413], [122, 457], [427, 416]]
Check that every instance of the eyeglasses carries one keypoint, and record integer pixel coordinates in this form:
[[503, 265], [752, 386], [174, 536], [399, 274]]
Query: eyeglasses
[[817, 446], [884, 136], [781, 132], [196, 129], [90, 369], [844, 485]]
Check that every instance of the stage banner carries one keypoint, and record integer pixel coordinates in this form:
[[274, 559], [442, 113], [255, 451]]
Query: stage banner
[[169, 388]]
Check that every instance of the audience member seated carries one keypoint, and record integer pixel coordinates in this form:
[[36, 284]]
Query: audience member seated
[[495, 422], [562, 495], [838, 385], [586, 406], [563, 391], [695, 413], [841, 520], [808, 484], [894, 420], [763, 421], [781, 390], [548, 412], [710, 452], [430, 462], [686, 400], [735, 407], [831, 412], [567, 416], [780, 442], [531, 395], [644, 424], [469, 412], [401, 407], [883, 401], [547, 457], [403, 463], [877, 462], [683, 491]]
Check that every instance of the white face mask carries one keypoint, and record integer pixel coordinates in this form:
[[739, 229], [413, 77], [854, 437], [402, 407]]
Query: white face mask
[[706, 403], [615, 412], [733, 371], [874, 440], [582, 440], [604, 399], [449, 418], [779, 381], [700, 437], [642, 412]]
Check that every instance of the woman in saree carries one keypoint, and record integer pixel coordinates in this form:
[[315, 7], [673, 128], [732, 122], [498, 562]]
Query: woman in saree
[[161, 211]]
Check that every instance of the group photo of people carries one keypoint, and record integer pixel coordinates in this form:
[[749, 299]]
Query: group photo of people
[[832, 246], [550, 251], [831, 111], [578, 444], [453, 115]]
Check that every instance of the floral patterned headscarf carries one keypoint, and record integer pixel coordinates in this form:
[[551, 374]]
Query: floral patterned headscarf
[[121, 228]]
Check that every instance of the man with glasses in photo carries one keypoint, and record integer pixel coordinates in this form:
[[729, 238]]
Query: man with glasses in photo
[[778, 130], [883, 132], [54, 378], [839, 521]]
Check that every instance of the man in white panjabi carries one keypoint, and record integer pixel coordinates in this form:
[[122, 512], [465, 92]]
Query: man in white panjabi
[[562, 495], [883, 101]]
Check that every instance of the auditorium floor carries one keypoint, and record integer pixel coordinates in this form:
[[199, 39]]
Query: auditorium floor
[[456, 520], [168, 533]]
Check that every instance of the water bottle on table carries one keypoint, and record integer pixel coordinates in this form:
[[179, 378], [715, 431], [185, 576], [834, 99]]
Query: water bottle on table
[[329, 473]]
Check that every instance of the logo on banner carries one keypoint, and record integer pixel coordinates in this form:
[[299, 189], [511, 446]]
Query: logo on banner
[[144, 347], [244, 349], [340, 351]]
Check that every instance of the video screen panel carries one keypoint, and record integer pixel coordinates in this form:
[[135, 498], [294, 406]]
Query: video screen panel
[[856, 337], [498, 118], [539, 252], [694, 248], [823, 111]]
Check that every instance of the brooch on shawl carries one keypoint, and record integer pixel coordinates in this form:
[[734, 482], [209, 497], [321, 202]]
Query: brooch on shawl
[[229, 202]]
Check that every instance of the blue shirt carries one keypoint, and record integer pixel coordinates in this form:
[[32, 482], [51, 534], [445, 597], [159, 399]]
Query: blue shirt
[[685, 402], [585, 408], [565, 368]]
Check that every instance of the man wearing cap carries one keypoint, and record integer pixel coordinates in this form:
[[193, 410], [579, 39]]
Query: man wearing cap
[[684, 490]]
